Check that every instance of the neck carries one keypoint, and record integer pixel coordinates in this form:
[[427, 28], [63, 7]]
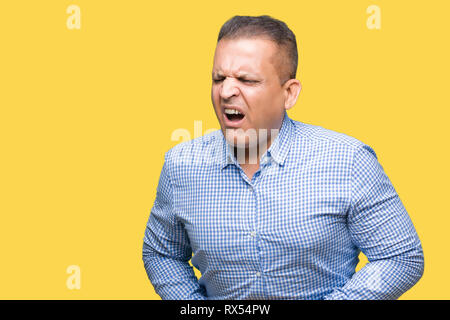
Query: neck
[[250, 155]]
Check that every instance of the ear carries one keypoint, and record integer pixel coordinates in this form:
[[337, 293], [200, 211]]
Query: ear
[[292, 89]]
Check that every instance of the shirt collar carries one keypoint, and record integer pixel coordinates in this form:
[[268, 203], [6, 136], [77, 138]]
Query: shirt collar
[[278, 150], [227, 156]]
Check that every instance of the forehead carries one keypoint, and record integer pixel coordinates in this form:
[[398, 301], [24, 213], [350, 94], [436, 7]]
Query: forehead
[[244, 56]]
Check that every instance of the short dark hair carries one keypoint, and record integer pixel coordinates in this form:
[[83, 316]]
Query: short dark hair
[[265, 26]]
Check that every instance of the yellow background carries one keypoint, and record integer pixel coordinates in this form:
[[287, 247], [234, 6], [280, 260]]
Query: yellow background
[[86, 116]]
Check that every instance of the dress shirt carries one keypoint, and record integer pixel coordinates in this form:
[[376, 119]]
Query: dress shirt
[[294, 231]]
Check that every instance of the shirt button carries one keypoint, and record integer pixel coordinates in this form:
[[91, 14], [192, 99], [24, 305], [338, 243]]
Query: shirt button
[[253, 234], [258, 274]]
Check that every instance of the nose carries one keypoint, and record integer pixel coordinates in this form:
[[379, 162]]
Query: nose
[[228, 89]]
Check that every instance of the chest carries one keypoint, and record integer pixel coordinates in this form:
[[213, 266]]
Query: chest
[[289, 207]]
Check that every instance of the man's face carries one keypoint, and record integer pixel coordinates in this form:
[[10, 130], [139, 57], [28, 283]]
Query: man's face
[[246, 79]]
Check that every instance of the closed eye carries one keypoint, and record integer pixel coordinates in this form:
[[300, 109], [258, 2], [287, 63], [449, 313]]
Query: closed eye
[[247, 80], [240, 79]]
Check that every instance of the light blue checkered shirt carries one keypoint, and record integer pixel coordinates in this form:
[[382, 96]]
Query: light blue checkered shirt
[[293, 232]]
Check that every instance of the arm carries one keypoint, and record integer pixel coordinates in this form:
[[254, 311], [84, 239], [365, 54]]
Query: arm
[[380, 226], [166, 251]]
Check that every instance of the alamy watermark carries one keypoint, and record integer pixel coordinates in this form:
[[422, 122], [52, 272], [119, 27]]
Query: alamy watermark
[[247, 146], [74, 280], [74, 20], [374, 20]]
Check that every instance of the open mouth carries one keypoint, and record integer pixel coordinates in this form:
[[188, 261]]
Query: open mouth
[[233, 115]]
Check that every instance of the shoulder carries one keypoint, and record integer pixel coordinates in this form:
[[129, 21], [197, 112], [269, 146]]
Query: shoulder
[[318, 134], [206, 148], [336, 145]]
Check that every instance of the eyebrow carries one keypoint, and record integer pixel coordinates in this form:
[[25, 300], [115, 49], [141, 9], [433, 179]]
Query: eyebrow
[[239, 75]]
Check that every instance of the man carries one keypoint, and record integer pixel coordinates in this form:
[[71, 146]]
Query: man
[[287, 221]]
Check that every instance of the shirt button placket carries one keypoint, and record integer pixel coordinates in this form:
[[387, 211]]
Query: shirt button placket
[[251, 233], [254, 234]]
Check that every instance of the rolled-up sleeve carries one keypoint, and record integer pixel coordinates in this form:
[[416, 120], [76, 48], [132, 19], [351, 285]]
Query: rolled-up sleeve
[[381, 227], [166, 250]]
